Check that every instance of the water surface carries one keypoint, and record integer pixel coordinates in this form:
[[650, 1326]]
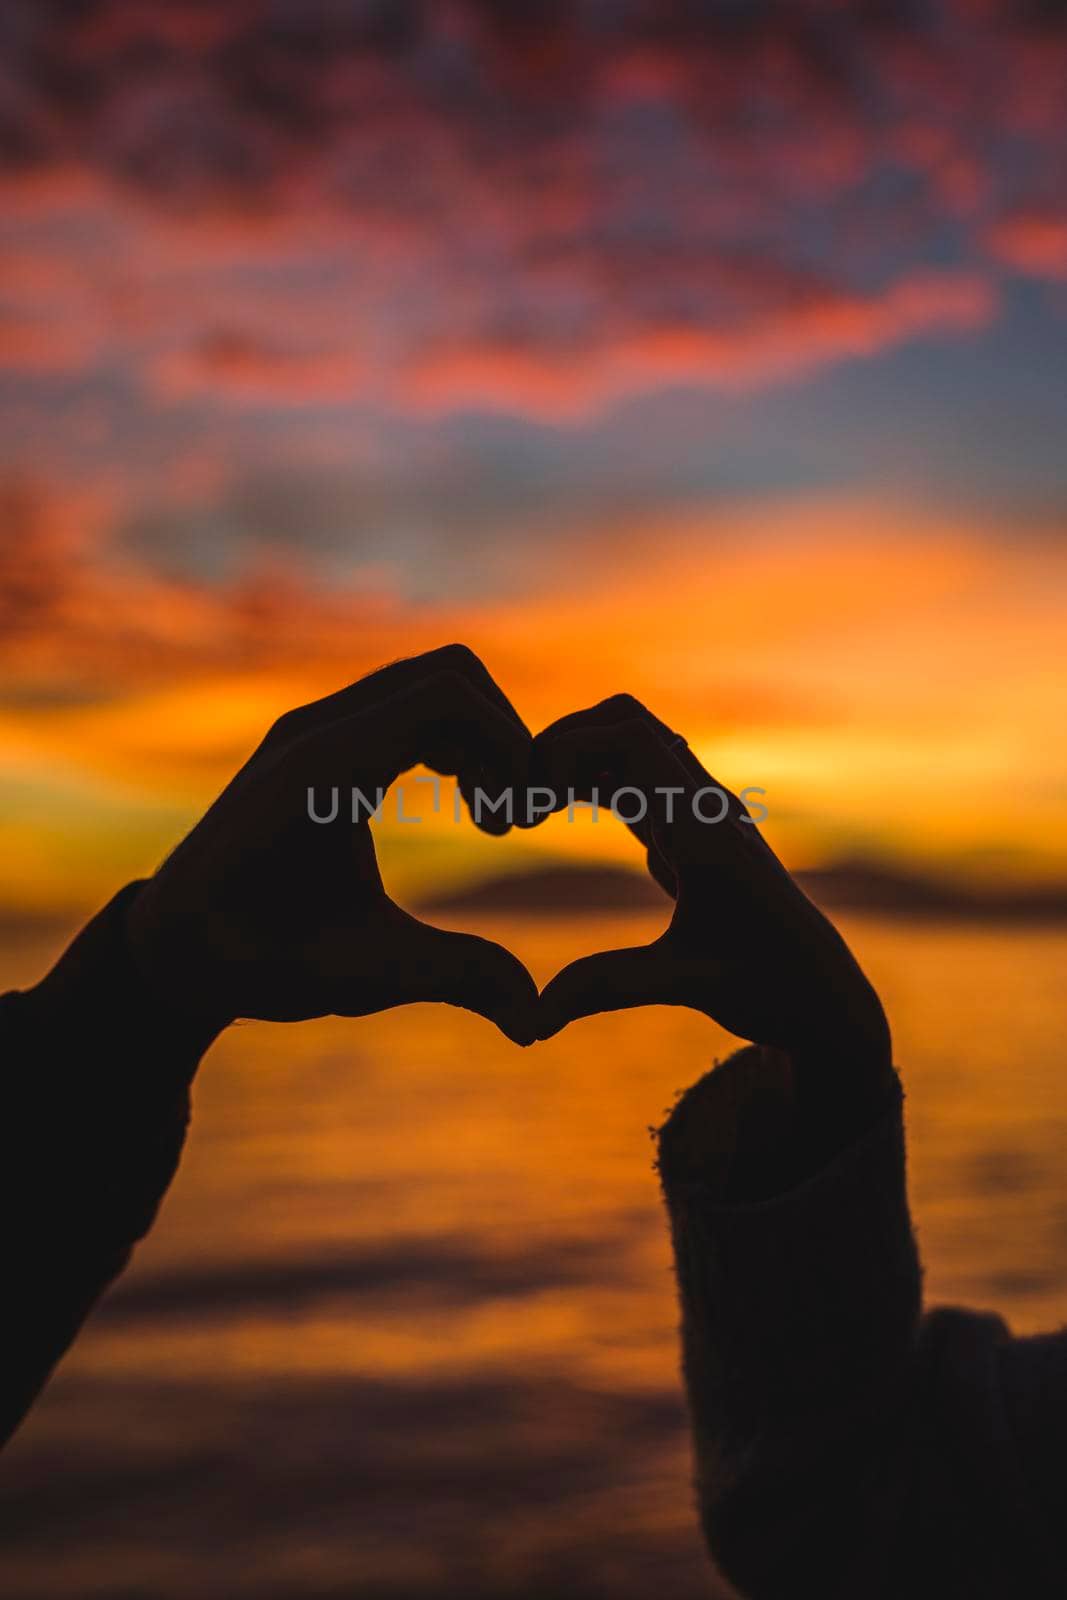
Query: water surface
[[406, 1326]]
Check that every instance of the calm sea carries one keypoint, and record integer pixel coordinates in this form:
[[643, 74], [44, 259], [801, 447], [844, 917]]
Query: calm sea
[[406, 1326]]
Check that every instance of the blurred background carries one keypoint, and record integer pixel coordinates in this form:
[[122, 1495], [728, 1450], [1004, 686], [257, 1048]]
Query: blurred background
[[703, 349]]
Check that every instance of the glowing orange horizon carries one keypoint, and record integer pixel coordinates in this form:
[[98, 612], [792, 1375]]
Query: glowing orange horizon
[[890, 684]]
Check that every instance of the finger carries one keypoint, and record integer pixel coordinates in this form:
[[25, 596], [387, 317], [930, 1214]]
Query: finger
[[590, 765], [611, 980], [622, 708], [581, 778], [384, 685], [442, 722], [485, 784], [461, 969], [390, 680], [624, 767], [616, 708], [588, 753]]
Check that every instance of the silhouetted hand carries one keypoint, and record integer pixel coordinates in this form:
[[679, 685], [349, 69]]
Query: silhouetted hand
[[262, 912], [744, 945]]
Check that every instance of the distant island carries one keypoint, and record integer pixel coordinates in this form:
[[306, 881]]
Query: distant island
[[576, 890], [863, 886], [548, 890]]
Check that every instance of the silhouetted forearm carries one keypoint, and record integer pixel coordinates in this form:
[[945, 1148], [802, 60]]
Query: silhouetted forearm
[[800, 1302], [845, 1444], [96, 1074]]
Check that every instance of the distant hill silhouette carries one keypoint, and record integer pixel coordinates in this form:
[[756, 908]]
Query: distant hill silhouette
[[21, 922], [546, 891], [862, 885], [857, 885]]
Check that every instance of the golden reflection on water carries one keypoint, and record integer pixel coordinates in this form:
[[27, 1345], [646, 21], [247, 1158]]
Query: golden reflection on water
[[407, 1326]]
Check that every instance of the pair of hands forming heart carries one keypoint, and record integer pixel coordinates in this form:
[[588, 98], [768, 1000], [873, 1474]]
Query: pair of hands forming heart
[[260, 913]]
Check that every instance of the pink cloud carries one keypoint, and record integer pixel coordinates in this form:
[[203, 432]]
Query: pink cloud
[[45, 344], [253, 371], [1032, 242], [779, 344], [313, 209]]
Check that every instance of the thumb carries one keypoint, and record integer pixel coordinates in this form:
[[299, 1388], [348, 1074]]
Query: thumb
[[462, 969], [611, 980]]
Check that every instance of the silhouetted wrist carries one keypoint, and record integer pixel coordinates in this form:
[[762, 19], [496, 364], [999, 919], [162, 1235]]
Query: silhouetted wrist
[[842, 1085], [167, 958], [97, 995]]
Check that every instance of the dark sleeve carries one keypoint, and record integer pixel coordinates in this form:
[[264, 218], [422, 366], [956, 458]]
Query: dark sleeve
[[95, 1073], [800, 1318]]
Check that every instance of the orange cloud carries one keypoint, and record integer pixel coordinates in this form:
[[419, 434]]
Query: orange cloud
[[889, 678]]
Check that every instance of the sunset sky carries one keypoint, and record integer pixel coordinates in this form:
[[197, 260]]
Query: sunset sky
[[711, 351]]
